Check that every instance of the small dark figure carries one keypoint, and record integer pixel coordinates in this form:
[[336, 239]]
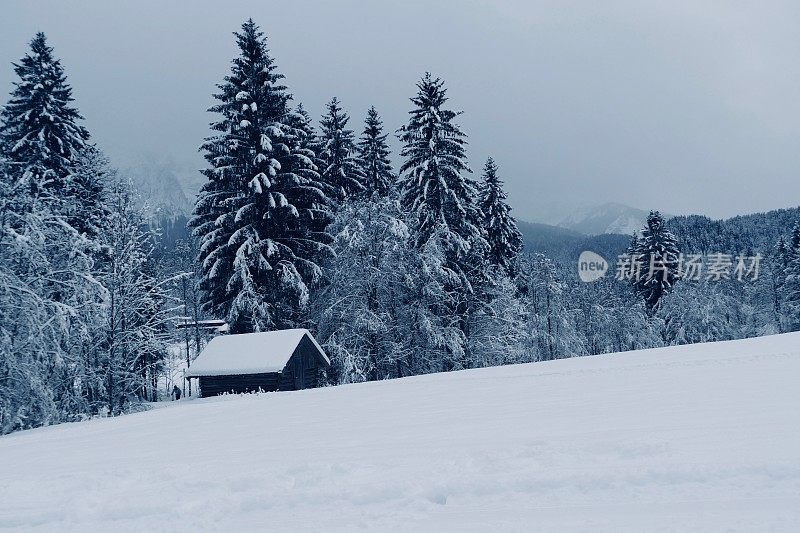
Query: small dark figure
[[176, 392]]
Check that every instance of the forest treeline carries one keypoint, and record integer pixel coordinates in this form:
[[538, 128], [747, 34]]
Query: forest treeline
[[398, 270]]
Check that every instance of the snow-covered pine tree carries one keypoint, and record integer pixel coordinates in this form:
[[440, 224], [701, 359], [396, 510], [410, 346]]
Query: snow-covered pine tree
[[442, 201], [793, 248], [305, 148], [341, 166], [502, 235], [87, 189], [306, 142], [794, 240], [657, 253], [261, 216], [633, 245], [373, 154], [44, 141], [434, 184]]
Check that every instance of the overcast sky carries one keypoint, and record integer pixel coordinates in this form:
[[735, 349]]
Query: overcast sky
[[685, 106]]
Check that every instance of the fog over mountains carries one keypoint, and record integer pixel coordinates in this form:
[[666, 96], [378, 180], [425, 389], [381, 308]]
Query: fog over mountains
[[605, 218], [168, 190]]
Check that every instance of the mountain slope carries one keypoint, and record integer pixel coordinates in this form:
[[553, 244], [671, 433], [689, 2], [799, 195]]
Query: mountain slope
[[606, 218], [545, 238], [757, 232], [703, 438], [564, 245]]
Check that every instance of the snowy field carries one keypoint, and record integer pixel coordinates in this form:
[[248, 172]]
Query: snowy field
[[703, 438]]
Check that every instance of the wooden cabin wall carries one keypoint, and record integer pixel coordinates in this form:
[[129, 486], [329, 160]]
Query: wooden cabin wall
[[287, 380], [303, 369], [216, 385]]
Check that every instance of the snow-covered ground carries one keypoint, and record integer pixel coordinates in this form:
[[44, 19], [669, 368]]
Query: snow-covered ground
[[703, 438]]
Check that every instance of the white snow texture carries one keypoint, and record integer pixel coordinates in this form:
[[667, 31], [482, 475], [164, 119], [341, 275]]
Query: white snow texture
[[703, 437]]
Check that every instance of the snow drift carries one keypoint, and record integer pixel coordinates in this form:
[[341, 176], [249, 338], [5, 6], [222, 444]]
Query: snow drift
[[702, 437]]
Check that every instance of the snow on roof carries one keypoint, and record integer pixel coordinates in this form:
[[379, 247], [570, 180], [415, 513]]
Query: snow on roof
[[249, 353]]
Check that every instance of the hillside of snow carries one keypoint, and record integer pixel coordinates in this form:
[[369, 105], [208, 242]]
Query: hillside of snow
[[703, 437]]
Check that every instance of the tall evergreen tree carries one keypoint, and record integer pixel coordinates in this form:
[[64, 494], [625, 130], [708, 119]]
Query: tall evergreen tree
[[657, 254], [373, 154], [502, 235], [306, 142], [434, 185], [442, 201], [43, 139], [261, 217], [87, 191], [341, 167], [306, 150]]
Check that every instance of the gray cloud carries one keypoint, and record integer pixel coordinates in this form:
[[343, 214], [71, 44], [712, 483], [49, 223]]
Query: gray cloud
[[685, 107]]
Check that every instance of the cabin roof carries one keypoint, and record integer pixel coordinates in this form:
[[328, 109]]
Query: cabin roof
[[250, 353]]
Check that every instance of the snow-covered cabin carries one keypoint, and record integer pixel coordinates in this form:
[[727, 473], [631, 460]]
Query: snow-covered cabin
[[289, 359]]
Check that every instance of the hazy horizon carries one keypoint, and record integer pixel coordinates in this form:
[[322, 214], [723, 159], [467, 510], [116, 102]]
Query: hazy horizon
[[685, 108]]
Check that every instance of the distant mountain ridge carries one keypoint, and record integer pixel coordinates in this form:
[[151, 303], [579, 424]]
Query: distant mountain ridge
[[756, 232], [159, 189], [544, 238], [611, 217], [565, 245], [751, 233]]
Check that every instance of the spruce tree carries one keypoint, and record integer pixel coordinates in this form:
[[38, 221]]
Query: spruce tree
[[373, 154], [48, 150], [87, 190], [305, 141], [442, 202], [311, 190], [341, 167], [657, 254], [261, 216], [502, 235], [434, 184], [633, 245]]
